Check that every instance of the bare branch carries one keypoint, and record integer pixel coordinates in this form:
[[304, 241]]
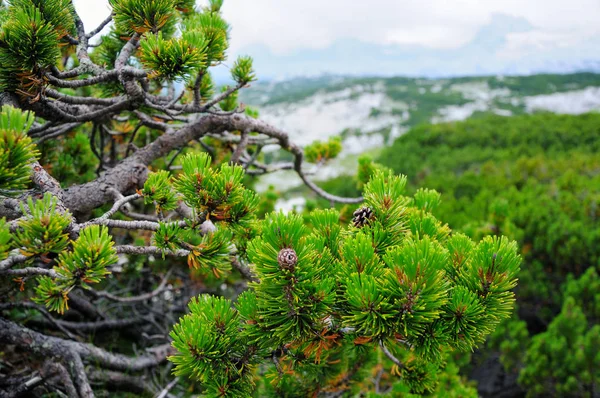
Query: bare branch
[[135, 299], [118, 204], [168, 388], [100, 27], [86, 64], [57, 132], [12, 261], [41, 310], [235, 157], [64, 377], [244, 270], [70, 99], [126, 51], [90, 116], [101, 325], [389, 354], [136, 224], [37, 343], [121, 382], [78, 372], [30, 271], [150, 250], [111, 75]]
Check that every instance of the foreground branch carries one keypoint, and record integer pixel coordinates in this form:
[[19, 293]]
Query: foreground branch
[[40, 344]]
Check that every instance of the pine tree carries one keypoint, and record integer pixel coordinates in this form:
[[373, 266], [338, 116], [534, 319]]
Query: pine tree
[[279, 305]]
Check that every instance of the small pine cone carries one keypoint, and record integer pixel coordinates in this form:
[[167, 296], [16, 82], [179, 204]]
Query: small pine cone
[[362, 216], [287, 258]]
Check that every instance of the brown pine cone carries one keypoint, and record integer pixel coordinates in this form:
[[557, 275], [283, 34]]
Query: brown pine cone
[[362, 216], [287, 258]]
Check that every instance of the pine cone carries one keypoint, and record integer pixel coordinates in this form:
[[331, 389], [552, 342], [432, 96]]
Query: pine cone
[[362, 216], [287, 258]]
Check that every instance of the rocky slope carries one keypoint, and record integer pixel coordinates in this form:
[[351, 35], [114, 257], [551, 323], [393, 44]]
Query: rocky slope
[[371, 112]]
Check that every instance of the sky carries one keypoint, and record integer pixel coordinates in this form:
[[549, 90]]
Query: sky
[[285, 27]]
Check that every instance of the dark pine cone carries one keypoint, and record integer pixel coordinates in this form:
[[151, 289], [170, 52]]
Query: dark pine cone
[[362, 216], [287, 258]]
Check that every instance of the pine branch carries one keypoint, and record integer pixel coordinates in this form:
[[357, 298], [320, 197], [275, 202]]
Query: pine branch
[[11, 261], [116, 207], [37, 343], [168, 387], [134, 299], [122, 382], [30, 271], [41, 310], [100, 27], [389, 354], [150, 250]]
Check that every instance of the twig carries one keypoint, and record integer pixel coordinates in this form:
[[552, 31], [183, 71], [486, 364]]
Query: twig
[[241, 146], [100, 27], [31, 271], [150, 250], [11, 261], [42, 311], [168, 388], [116, 206], [12, 333], [389, 354], [135, 299], [245, 271]]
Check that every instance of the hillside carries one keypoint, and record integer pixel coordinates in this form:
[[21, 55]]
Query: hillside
[[369, 113]]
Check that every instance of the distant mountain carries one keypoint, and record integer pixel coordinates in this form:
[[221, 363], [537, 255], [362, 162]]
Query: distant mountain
[[486, 54]]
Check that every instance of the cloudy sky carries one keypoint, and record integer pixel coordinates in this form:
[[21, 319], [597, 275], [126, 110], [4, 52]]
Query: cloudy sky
[[287, 26]]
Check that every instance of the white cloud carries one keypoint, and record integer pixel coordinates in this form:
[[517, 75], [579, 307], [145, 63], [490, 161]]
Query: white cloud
[[288, 25], [284, 25]]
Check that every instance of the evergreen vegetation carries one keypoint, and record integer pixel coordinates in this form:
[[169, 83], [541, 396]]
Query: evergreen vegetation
[[134, 257], [534, 179]]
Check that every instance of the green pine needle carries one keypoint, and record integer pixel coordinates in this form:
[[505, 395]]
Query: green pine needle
[[174, 59], [242, 72], [86, 263], [17, 151], [158, 191], [43, 230]]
